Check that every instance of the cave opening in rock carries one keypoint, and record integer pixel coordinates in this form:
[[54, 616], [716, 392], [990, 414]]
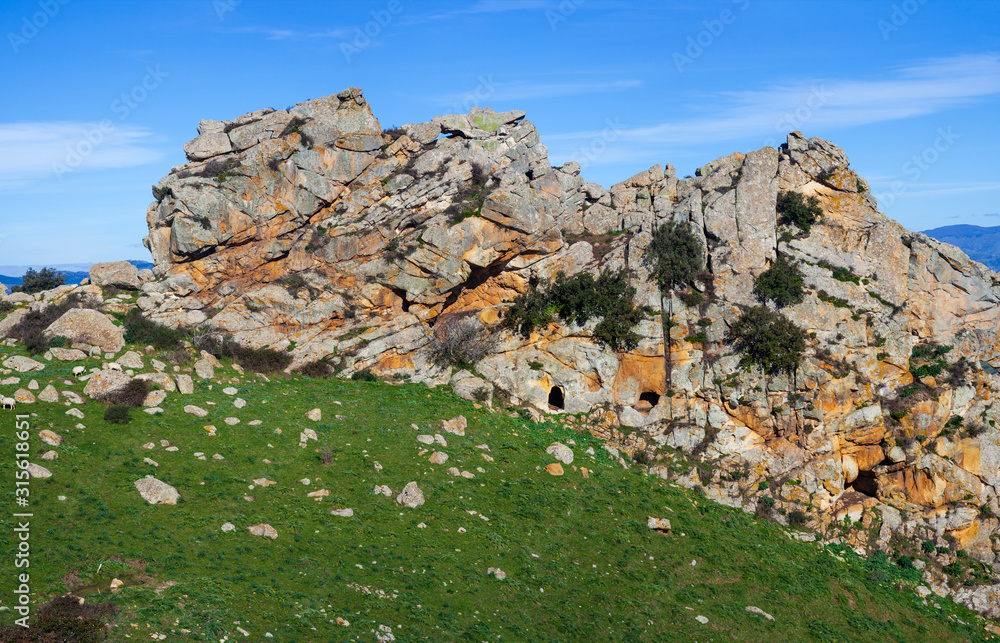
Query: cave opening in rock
[[556, 400], [399, 292], [648, 400], [865, 483]]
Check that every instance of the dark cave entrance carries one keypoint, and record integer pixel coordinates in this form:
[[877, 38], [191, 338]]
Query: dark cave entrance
[[647, 401], [865, 483], [556, 399]]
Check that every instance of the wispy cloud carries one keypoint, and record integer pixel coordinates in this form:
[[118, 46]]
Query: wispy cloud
[[925, 88], [273, 33], [935, 189], [34, 151], [484, 7], [512, 92]]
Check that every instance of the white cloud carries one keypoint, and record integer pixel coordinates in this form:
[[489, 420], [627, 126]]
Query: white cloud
[[488, 91], [935, 189], [272, 33], [486, 7], [925, 88], [34, 151]]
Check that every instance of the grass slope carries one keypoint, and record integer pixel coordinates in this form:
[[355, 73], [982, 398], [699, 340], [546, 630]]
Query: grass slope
[[581, 563]]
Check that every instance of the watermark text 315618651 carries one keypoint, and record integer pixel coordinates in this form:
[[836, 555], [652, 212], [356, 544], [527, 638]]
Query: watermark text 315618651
[[21, 522]]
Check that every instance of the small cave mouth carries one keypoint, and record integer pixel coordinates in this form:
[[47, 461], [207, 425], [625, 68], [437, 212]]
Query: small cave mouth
[[399, 292], [647, 401], [556, 398], [865, 483]]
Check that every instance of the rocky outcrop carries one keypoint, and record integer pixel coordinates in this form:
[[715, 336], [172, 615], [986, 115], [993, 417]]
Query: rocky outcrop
[[115, 273], [311, 229], [84, 326]]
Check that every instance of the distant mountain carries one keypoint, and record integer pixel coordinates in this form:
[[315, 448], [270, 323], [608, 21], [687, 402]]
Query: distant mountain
[[981, 244], [75, 272]]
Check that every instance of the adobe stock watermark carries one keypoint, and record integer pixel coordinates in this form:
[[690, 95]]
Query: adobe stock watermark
[[123, 107], [21, 521], [918, 164], [222, 7], [32, 25], [363, 36], [697, 44], [585, 155], [562, 13], [793, 120], [899, 16], [477, 97]]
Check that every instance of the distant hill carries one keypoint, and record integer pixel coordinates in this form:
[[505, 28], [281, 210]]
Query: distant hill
[[75, 272], [981, 244]]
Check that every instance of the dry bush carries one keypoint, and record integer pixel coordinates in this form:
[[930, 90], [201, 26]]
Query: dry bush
[[461, 341]]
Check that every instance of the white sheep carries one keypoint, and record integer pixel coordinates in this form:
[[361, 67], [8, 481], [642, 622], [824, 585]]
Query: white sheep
[[8, 403], [113, 366], [78, 370]]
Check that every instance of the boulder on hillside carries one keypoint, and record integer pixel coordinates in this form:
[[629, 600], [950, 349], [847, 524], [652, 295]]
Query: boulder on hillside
[[86, 326], [105, 383], [156, 492], [22, 364], [121, 274], [411, 496]]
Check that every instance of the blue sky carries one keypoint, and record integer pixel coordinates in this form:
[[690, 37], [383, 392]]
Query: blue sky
[[100, 97]]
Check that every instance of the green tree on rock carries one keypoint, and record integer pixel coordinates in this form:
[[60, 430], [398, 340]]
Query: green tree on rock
[[675, 256], [768, 340], [781, 283]]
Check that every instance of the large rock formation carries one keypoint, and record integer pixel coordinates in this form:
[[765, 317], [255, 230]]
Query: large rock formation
[[313, 226]]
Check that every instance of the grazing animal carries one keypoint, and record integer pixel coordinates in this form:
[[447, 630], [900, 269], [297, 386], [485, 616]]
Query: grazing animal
[[113, 366], [78, 370], [9, 403]]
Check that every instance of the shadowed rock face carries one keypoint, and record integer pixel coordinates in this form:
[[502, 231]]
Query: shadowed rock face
[[314, 226]]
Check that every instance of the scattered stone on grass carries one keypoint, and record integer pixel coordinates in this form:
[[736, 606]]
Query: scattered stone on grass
[[411, 496], [156, 492], [263, 529]]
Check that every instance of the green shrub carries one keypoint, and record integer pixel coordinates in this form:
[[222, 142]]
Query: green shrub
[[471, 197], [578, 299], [797, 210], [781, 283], [832, 299], [675, 255], [317, 369], [139, 330], [64, 619], [845, 275], [797, 517], [294, 282], [259, 360], [30, 330], [36, 281], [364, 376], [118, 414], [927, 546], [768, 340], [691, 297], [132, 394]]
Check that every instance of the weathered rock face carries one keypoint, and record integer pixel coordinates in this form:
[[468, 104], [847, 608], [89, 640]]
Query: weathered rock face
[[313, 226], [87, 326], [115, 273]]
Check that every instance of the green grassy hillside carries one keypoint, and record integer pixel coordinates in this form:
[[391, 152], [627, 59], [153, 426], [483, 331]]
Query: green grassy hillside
[[580, 562]]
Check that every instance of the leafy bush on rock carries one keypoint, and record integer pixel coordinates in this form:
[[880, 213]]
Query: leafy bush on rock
[[578, 299], [781, 283], [799, 210], [768, 340]]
